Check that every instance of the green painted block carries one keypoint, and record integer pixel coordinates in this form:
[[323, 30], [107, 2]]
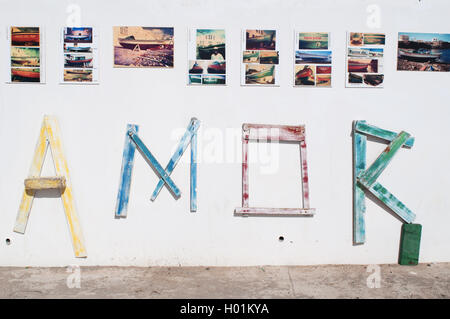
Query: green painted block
[[410, 244]]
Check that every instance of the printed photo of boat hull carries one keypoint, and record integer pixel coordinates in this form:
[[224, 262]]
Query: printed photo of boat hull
[[305, 75], [29, 57], [419, 56], [323, 80], [78, 49], [374, 39], [204, 53], [217, 67], [78, 76], [78, 35], [268, 57], [259, 74], [355, 78], [196, 67], [260, 40], [373, 79], [195, 79], [363, 66], [25, 75], [132, 44], [251, 56], [78, 61], [24, 36], [323, 69], [213, 79], [322, 57], [313, 41]]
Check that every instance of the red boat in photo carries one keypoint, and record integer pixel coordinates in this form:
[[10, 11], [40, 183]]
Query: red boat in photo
[[362, 66], [77, 60], [304, 74], [26, 75], [323, 70], [25, 38], [196, 69], [217, 67]]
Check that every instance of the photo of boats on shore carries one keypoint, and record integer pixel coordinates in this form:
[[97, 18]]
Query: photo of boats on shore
[[78, 35], [25, 74], [312, 57], [305, 75], [77, 75], [207, 57], [21, 56], [268, 57], [259, 74], [79, 60], [365, 60], [25, 36], [251, 56], [143, 47], [260, 39], [313, 41], [423, 52]]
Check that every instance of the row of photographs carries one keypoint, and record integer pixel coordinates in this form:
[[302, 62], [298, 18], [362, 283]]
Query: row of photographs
[[143, 47]]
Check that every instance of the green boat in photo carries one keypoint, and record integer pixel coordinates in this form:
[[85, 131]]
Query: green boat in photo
[[311, 41], [259, 75]]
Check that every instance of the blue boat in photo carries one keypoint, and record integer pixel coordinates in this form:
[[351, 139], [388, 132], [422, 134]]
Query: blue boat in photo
[[312, 57]]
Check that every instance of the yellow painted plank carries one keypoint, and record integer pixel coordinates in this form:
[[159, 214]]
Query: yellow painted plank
[[41, 183]]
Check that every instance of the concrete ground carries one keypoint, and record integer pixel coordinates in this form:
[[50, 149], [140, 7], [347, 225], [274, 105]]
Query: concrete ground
[[332, 281]]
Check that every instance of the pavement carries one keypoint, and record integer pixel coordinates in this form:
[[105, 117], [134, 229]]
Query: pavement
[[328, 281]]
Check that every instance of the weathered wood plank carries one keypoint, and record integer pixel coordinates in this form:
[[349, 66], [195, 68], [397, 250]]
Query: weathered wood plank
[[155, 164], [359, 205], [265, 211], [179, 151], [304, 172], [245, 186], [274, 133], [369, 176], [392, 202], [193, 168], [363, 127], [54, 138], [43, 183], [126, 171]]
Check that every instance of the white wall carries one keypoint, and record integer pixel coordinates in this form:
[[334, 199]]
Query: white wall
[[93, 121]]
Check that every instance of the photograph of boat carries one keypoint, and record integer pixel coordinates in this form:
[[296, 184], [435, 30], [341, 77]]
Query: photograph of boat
[[305, 75], [355, 78], [251, 56], [25, 36], [141, 47], [217, 67], [365, 52], [78, 35], [29, 57], [313, 40], [260, 39], [423, 52], [363, 65], [323, 69], [268, 57], [210, 44], [213, 79], [195, 79], [76, 75], [78, 61], [323, 80], [25, 75], [259, 74], [373, 79], [374, 39], [319, 57], [77, 49], [356, 39], [197, 67]]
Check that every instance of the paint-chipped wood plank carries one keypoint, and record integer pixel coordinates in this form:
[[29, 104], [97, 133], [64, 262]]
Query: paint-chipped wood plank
[[304, 173], [193, 172], [245, 185], [363, 127], [155, 164], [179, 151], [270, 212], [274, 133], [45, 183], [126, 172], [359, 204], [369, 176]]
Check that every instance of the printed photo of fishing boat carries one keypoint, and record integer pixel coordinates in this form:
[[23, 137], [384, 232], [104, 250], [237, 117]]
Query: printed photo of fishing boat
[[355, 78], [141, 47], [374, 39], [77, 49], [77, 75], [25, 75], [363, 65], [323, 69], [195, 79], [213, 79], [210, 44], [29, 57], [25, 36], [268, 57], [315, 57], [365, 52], [78, 60], [313, 40], [423, 52], [259, 74], [78, 35], [373, 79], [323, 80], [305, 75], [260, 39], [197, 67], [217, 67], [356, 39], [251, 56]]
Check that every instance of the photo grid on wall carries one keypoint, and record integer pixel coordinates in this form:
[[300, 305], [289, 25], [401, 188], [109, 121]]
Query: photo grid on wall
[[25, 55], [143, 47], [312, 59], [207, 57], [260, 58], [365, 60], [423, 52], [79, 46]]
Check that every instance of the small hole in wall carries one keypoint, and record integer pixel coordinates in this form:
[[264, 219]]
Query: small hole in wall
[[281, 238], [8, 241]]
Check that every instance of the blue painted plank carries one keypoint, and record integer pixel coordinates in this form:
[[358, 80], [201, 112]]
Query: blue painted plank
[[155, 164], [363, 127], [182, 146], [369, 176], [359, 204], [392, 202], [126, 172], [194, 173]]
